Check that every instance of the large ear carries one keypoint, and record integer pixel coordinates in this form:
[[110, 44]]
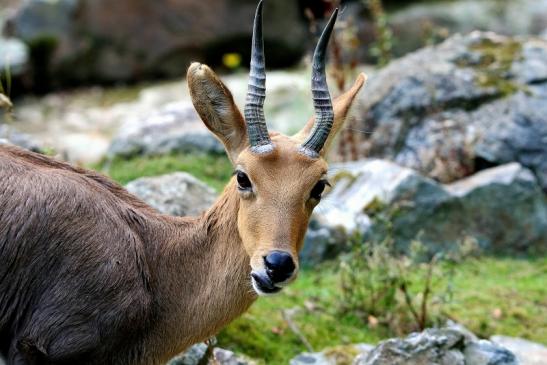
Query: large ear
[[215, 105], [341, 106]]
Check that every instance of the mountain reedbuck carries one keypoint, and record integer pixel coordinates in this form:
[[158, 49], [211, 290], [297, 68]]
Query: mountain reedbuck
[[89, 274]]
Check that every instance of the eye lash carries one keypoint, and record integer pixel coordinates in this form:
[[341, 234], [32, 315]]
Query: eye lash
[[327, 183]]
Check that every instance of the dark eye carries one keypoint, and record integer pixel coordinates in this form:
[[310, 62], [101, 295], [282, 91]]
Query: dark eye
[[243, 181], [318, 189]]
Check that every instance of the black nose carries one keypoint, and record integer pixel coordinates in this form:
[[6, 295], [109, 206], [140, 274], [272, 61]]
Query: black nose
[[279, 266]]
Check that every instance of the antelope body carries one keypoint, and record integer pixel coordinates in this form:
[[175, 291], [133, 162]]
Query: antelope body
[[89, 274]]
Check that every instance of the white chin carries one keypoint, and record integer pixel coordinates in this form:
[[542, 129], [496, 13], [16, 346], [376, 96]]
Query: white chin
[[261, 292]]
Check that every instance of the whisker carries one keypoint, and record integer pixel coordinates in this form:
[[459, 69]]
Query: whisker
[[358, 130]]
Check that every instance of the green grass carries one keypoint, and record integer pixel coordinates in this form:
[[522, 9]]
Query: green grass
[[213, 170], [503, 296], [483, 288]]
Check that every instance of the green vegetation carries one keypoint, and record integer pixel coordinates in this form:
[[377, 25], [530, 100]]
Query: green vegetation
[[502, 296], [491, 296], [213, 170], [383, 46], [5, 78], [493, 68]]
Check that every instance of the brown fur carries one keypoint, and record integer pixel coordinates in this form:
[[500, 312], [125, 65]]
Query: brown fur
[[91, 275]]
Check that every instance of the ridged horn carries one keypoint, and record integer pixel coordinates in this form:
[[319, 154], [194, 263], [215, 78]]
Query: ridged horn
[[324, 113], [256, 92]]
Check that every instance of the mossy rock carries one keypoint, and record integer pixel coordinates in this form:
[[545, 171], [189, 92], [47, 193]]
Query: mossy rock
[[493, 64]]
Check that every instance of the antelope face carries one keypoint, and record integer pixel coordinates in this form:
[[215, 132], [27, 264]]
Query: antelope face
[[278, 192], [279, 178]]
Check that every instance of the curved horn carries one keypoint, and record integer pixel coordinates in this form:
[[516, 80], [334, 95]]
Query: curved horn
[[324, 114], [256, 92]]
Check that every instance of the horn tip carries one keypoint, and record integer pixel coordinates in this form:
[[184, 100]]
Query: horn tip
[[362, 78]]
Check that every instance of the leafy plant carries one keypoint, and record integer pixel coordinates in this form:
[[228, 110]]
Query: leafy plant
[[6, 105], [382, 49], [404, 292]]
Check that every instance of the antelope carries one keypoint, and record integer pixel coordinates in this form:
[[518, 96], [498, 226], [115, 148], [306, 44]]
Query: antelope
[[91, 275]]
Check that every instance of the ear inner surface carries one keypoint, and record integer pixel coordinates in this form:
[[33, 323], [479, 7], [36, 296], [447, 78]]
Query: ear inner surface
[[215, 105], [342, 105]]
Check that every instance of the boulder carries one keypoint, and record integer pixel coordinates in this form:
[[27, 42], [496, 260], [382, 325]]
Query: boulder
[[527, 352], [484, 352], [344, 354], [77, 41], [502, 209], [178, 194], [431, 347], [175, 127], [322, 242], [9, 135], [414, 25], [443, 346], [227, 357], [428, 22], [14, 57], [197, 355], [451, 345], [472, 102], [14, 52]]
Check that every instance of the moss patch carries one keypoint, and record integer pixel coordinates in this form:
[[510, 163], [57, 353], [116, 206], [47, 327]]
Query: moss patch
[[494, 64], [213, 170]]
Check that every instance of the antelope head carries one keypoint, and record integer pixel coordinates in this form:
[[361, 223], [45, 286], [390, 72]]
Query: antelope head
[[279, 178]]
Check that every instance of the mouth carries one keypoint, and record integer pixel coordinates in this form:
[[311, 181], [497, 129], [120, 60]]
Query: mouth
[[263, 285]]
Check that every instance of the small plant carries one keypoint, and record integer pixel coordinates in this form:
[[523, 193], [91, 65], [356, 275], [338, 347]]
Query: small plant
[[6, 105], [404, 292], [383, 46]]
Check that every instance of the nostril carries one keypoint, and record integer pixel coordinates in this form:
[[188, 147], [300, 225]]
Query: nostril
[[279, 265]]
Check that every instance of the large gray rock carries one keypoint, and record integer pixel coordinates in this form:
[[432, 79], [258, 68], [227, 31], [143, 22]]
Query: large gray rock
[[344, 354], [418, 23], [178, 194], [14, 57], [527, 352], [427, 22], [471, 102], [502, 209], [101, 40], [195, 355], [227, 357], [176, 127], [14, 52], [487, 353], [437, 347], [198, 355], [9, 134]]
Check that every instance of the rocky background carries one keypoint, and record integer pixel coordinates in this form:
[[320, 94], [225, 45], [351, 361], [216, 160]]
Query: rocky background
[[448, 141]]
